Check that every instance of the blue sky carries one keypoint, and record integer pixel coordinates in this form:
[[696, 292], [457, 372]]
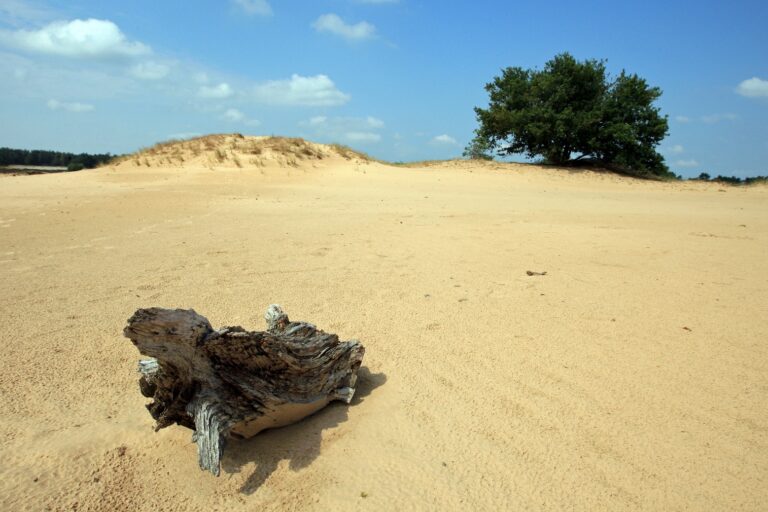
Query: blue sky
[[395, 78]]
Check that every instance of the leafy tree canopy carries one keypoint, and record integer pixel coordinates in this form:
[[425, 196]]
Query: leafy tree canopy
[[572, 111]]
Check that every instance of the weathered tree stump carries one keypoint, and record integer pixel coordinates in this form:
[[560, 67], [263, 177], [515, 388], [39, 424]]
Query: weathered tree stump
[[235, 383]]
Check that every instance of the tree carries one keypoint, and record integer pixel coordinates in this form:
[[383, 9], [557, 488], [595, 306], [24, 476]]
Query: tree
[[10, 156], [478, 149], [572, 111]]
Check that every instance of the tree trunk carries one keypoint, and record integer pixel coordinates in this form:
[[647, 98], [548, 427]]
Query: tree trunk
[[235, 383]]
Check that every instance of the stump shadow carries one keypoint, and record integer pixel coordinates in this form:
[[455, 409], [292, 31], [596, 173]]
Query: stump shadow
[[299, 443]]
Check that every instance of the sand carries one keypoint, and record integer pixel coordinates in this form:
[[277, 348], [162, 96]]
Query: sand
[[632, 376]]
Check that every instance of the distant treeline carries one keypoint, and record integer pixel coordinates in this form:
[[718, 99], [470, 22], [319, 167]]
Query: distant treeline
[[9, 156], [733, 180]]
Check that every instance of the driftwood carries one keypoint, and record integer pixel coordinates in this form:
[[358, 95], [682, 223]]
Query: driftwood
[[235, 383]]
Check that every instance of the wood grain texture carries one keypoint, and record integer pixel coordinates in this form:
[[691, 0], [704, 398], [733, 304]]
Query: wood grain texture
[[235, 383]]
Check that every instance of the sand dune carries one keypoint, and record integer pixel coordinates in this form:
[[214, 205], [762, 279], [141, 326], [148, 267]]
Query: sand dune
[[238, 151], [632, 376]]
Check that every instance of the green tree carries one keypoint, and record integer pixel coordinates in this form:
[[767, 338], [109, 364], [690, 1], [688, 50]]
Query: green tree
[[478, 149], [572, 111], [9, 156]]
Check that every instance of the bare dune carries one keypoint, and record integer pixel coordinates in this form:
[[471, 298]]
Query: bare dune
[[632, 376]]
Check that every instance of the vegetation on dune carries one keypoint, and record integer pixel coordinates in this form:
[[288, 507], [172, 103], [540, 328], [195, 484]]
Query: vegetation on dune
[[478, 148], [39, 157], [753, 180], [239, 150], [732, 180], [348, 153], [571, 113]]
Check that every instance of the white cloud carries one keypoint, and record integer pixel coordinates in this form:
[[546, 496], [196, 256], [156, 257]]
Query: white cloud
[[317, 120], [69, 107], [687, 163], [675, 150], [313, 91], [444, 139], [14, 11], [362, 136], [374, 122], [150, 70], [716, 118], [258, 7], [333, 24], [236, 116], [184, 135], [221, 91], [708, 119], [89, 38], [232, 114], [351, 129], [33, 77], [753, 88], [339, 126]]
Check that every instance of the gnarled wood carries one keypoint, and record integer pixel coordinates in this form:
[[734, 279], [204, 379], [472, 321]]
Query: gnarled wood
[[235, 383]]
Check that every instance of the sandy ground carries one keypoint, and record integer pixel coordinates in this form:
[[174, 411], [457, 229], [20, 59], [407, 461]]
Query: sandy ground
[[632, 376]]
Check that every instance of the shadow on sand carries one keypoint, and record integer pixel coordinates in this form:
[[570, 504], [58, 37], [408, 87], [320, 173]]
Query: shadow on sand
[[299, 443]]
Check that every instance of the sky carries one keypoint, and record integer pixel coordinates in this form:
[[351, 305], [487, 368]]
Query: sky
[[397, 79]]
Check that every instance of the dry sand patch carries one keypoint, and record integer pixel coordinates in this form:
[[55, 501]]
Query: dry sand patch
[[633, 376]]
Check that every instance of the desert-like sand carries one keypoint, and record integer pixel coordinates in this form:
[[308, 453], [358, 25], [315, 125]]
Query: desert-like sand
[[632, 376]]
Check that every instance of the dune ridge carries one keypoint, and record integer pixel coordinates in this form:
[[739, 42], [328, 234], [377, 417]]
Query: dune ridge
[[237, 150]]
